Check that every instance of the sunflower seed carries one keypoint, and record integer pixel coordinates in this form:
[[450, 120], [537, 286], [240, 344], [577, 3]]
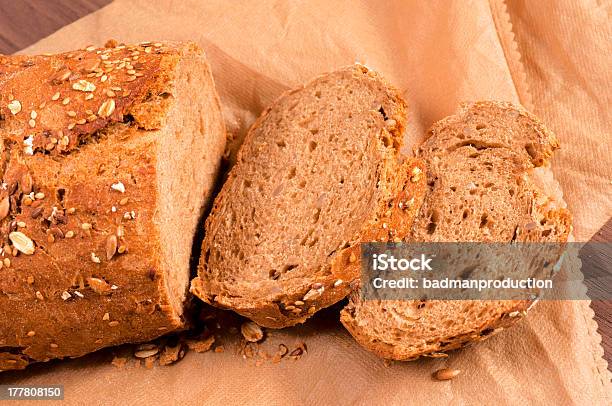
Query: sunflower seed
[[5, 206], [111, 246], [22, 242], [445, 374], [146, 353], [107, 108], [251, 331]]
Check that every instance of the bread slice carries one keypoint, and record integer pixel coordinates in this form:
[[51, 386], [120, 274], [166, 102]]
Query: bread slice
[[317, 174], [109, 157], [488, 180]]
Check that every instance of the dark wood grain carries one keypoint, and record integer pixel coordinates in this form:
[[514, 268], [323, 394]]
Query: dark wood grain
[[24, 22], [602, 260]]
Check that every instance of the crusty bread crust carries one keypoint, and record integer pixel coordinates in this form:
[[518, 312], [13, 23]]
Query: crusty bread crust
[[297, 305], [548, 209], [79, 233]]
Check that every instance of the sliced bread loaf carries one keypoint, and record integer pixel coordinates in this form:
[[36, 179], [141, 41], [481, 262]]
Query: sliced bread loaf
[[109, 157], [488, 181], [317, 174]]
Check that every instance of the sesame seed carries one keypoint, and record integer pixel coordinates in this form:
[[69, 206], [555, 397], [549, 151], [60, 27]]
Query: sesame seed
[[416, 174], [84, 86], [71, 126], [90, 48], [33, 115], [338, 283], [14, 106], [119, 187], [106, 317], [86, 226], [21, 224], [95, 258], [39, 196], [56, 96], [79, 294], [66, 295], [66, 101], [89, 96], [39, 295], [81, 121], [32, 123], [69, 234], [114, 323], [71, 113], [31, 333]]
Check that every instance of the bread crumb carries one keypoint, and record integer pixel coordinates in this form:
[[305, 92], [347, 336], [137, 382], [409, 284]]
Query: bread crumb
[[171, 354], [201, 345], [119, 362]]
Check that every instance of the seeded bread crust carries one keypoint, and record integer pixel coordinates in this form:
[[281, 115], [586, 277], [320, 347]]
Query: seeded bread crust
[[83, 136], [296, 301], [407, 330]]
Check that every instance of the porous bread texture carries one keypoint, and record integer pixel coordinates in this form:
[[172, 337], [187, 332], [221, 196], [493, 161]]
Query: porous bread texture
[[488, 181], [317, 174], [123, 147]]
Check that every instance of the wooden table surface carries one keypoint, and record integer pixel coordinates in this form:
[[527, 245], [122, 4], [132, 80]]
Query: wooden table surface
[[24, 22]]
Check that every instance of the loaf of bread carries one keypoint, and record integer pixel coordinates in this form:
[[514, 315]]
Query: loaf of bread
[[318, 173], [109, 157], [488, 181]]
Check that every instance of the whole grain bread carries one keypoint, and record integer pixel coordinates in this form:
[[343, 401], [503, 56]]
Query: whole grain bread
[[489, 180], [317, 174], [109, 156]]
